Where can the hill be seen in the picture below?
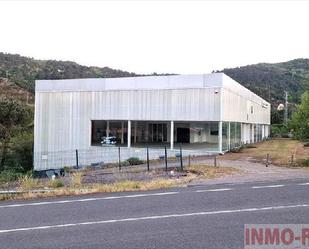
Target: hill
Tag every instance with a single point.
(12, 91)
(291, 76)
(24, 70)
(267, 80)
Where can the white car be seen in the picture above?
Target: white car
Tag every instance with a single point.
(109, 140)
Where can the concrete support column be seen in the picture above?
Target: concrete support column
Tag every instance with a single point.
(147, 132)
(263, 132)
(229, 136)
(122, 128)
(129, 133)
(242, 133)
(252, 133)
(266, 131)
(135, 132)
(172, 135)
(107, 128)
(220, 137)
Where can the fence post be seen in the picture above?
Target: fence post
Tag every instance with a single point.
(165, 158)
(119, 161)
(147, 158)
(292, 159)
(215, 161)
(267, 160)
(76, 156)
(181, 163)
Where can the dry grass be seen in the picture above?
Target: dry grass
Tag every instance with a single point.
(210, 172)
(124, 186)
(280, 151)
(28, 183)
(76, 179)
(77, 188)
(136, 185)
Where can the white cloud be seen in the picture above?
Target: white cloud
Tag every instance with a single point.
(161, 36)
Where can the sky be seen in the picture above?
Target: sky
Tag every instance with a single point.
(157, 36)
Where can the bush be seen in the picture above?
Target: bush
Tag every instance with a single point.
(67, 169)
(279, 130)
(125, 163)
(21, 156)
(303, 162)
(9, 176)
(135, 161)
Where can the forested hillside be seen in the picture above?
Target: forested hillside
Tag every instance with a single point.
(24, 70)
(291, 76)
(267, 80)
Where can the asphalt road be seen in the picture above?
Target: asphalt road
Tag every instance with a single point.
(194, 217)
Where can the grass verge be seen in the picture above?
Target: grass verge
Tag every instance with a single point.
(280, 151)
(76, 186)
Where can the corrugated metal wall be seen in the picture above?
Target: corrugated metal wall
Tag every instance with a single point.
(63, 116)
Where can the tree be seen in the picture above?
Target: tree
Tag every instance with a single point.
(299, 123)
(13, 115)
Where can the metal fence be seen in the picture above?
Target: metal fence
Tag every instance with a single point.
(100, 156)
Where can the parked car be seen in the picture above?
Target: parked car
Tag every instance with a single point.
(112, 140)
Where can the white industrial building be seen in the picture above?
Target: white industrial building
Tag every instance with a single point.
(205, 112)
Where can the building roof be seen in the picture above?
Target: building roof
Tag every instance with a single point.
(213, 80)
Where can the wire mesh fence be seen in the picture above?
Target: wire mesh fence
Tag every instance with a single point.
(100, 157)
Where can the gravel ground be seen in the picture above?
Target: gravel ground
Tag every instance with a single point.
(254, 171)
(249, 171)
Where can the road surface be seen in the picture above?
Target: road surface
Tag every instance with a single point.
(194, 217)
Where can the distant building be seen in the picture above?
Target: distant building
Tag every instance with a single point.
(209, 112)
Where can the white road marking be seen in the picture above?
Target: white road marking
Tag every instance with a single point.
(303, 184)
(153, 218)
(269, 186)
(85, 200)
(214, 190)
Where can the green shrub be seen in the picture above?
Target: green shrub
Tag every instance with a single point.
(67, 169)
(9, 176)
(125, 163)
(304, 162)
(21, 156)
(135, 161)
(279, 130)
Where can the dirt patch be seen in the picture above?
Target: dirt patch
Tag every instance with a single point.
(282, 152)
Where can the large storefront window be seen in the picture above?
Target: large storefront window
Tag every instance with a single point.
(225, 136)
(189, 135)
(108, 132)
(235, 138)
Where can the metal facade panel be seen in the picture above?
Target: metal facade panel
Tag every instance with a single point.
(62, 119)
(237, 108)
(131, 83)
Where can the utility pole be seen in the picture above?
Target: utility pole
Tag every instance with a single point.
(269, 93)
(286, 108)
